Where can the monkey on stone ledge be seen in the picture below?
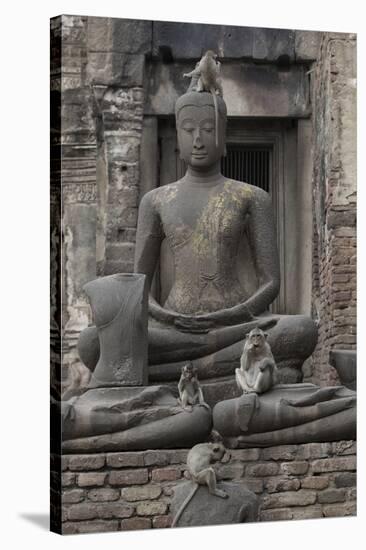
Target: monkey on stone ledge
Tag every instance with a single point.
(258, 371)
(190, 392)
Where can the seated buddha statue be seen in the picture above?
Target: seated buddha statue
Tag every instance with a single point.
(220, 236)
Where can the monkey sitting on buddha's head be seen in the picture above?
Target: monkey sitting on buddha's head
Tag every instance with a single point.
(258, 371)
(190, 392)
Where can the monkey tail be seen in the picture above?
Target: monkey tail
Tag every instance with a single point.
(213, 92)
(187, 500)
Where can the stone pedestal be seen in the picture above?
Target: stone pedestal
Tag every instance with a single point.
(241, 506)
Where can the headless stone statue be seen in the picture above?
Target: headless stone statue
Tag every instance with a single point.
(118, 411)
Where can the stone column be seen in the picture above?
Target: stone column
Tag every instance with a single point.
(334, 191)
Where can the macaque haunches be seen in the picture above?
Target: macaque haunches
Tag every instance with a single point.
(258, 371)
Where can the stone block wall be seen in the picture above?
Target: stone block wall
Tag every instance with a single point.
(334, 201)
(133, 490)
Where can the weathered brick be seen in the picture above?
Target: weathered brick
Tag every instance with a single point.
(293, 498)
(314, 482)
(70, 528)
(91, 479)
(276, 515)
(344, 447)
(282, 452)
(68, 479)
(64, 462)
(331, 496)
(352, 493)
(144, 492)
(348, 479)
(125, 460)
(230, 471)
(162, 522)
(73, 496)
(279, 485)
(156, 458)
(334, 464)
(295, 468)
(129, 477)
(246, 455)
(178, 456)
(86, 462)
(105, 510)
(307, 512)
(340, 510)
(262, 470)
(314, 450)
(151, 508)
(135, 523)
(103, 495)
(166, 474)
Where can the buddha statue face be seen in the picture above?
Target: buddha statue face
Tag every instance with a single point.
(196, 133)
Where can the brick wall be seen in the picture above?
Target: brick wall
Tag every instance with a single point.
(334, 204)
(133, 490)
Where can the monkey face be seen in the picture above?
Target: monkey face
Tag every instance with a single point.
(256, 339)
(196, 136)
(188, 372)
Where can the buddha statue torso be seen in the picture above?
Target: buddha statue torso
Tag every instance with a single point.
(203, 224)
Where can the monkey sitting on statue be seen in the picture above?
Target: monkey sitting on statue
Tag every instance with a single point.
(258, 371)
(199, 465)
(206, 76)
(190, 392)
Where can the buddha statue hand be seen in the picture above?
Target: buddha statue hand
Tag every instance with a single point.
(181, 321)
(193, 324)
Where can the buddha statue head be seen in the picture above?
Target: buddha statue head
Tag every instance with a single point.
(196, 129)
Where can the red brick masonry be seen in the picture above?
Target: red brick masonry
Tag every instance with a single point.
(133, 490)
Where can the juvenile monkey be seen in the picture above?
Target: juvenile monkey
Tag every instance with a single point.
(199, 461)
(258, 371)
(208, 72)
(190, 392)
